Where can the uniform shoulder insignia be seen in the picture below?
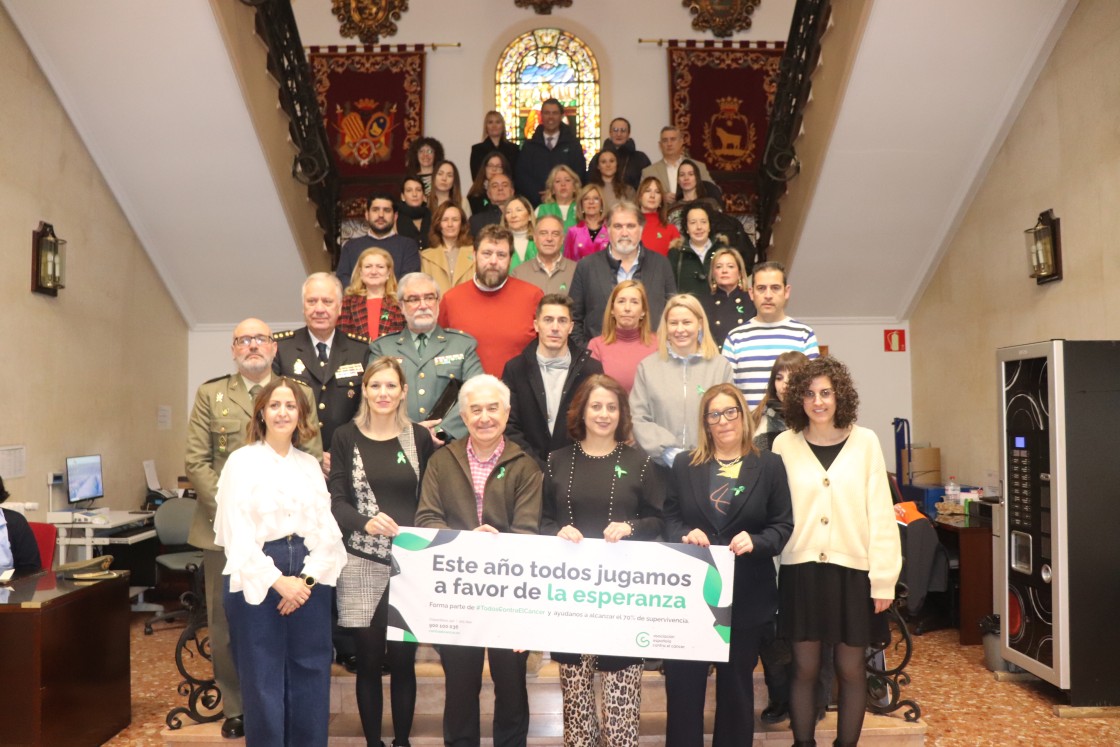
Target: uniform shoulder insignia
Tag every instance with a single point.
(356, 337)
(283, 335)
(456, 331)
(217, 378)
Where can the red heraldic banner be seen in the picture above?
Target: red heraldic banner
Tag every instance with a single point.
(721, 96)
(372, 100)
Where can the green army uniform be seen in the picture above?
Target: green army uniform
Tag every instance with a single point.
(218, 426)
(337, 384)
(449, 355)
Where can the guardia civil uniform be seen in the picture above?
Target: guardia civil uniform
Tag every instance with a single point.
(336, 384)
(449, 355)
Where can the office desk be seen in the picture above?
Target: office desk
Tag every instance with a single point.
(64, 661)
(117, 530)
(972, 539)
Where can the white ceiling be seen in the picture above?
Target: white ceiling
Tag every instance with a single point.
(933, 91)
(150, 89)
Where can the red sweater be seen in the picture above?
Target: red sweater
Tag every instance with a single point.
(501, 321)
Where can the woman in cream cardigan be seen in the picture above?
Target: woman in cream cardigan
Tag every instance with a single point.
(841, 564)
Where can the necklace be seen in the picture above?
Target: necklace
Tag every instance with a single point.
(729, 462)
(618, 472)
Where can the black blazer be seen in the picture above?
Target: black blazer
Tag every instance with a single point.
(762, 510)
(528, 413)
(479, 152)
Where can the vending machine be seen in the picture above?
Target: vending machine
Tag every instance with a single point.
(1057, 571)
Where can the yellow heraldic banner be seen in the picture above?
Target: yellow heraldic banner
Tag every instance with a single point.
(643, 599)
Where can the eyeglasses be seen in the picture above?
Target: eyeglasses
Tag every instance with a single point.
(731, 414)
(825, 395)
(246, 340)
(415, 300)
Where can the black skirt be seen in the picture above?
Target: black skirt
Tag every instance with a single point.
(828, 603)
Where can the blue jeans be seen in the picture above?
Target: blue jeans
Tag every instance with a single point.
(284, 662)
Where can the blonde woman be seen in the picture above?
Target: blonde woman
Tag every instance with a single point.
(449, 258)
(369, 306)
(669, 385)
(727, 304)
(560, 195)
(493, 139)
(627, 337)
(589, 235)
(377, 463)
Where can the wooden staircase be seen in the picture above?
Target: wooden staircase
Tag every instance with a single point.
(546, 721)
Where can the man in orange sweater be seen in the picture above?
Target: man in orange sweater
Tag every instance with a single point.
(494, 308)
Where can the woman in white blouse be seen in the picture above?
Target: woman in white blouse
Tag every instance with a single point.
(281, 543)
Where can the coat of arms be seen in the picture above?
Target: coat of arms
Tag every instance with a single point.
(365, 132)
(729, 137)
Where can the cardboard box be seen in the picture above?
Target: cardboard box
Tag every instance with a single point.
(927, 466)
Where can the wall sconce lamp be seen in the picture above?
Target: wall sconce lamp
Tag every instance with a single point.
(1044, 248)
(48, 261)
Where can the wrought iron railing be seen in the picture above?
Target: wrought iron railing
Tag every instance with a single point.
(779, 159)
(312, 165)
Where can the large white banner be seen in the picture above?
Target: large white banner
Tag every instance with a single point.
(642, 599)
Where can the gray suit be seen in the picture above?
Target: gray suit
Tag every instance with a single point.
(595, 278)
(449, 356)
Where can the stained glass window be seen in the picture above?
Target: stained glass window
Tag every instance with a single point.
(544, 64)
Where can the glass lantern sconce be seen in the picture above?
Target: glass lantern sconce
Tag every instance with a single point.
(48, 261)
(1044, 248)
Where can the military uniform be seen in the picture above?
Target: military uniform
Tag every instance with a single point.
(450, 355)
(218, 426)
(336, 384)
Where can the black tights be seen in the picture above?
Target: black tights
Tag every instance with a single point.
(852, 700)
(373, 651)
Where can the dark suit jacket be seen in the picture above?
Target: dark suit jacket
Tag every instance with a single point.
(337, 385)
(762, 510)
(25, 550)
(479, 152)
(528, 415)
(489, 215)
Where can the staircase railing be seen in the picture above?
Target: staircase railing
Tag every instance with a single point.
(779, 159)
(312, 165)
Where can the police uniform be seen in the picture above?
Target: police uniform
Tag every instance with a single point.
(218, 426)
(449, 355)
(336, 384)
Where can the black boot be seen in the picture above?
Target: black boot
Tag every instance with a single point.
(806, 743)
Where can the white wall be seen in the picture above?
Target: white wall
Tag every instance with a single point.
(882, 379)
(209, 354)
(459, 87)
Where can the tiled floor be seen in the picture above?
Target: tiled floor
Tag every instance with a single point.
(961, 702)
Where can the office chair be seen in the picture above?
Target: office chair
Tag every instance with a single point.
(46, 536)
(173, 522)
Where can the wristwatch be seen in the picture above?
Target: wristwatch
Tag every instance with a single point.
(307, 580)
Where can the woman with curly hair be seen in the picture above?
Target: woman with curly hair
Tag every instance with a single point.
(369, 306)
(423, 155)
(842, 561)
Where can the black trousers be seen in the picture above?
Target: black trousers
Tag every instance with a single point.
(462, 667)
(686, 683)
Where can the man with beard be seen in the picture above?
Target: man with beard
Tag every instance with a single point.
(436, 361)
(625, 259)
(381, 215)
(631, 161)
(494, 309)
(218, 426)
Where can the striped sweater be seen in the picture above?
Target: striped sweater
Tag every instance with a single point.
(752, 348)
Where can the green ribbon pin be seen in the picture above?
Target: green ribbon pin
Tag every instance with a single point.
(739, 308)
(501, 473)
(619, 471)
(739, 490)
(700, 390)
(400, 457)
(385, 315)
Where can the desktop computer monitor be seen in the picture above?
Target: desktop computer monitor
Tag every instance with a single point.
(84, 481)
